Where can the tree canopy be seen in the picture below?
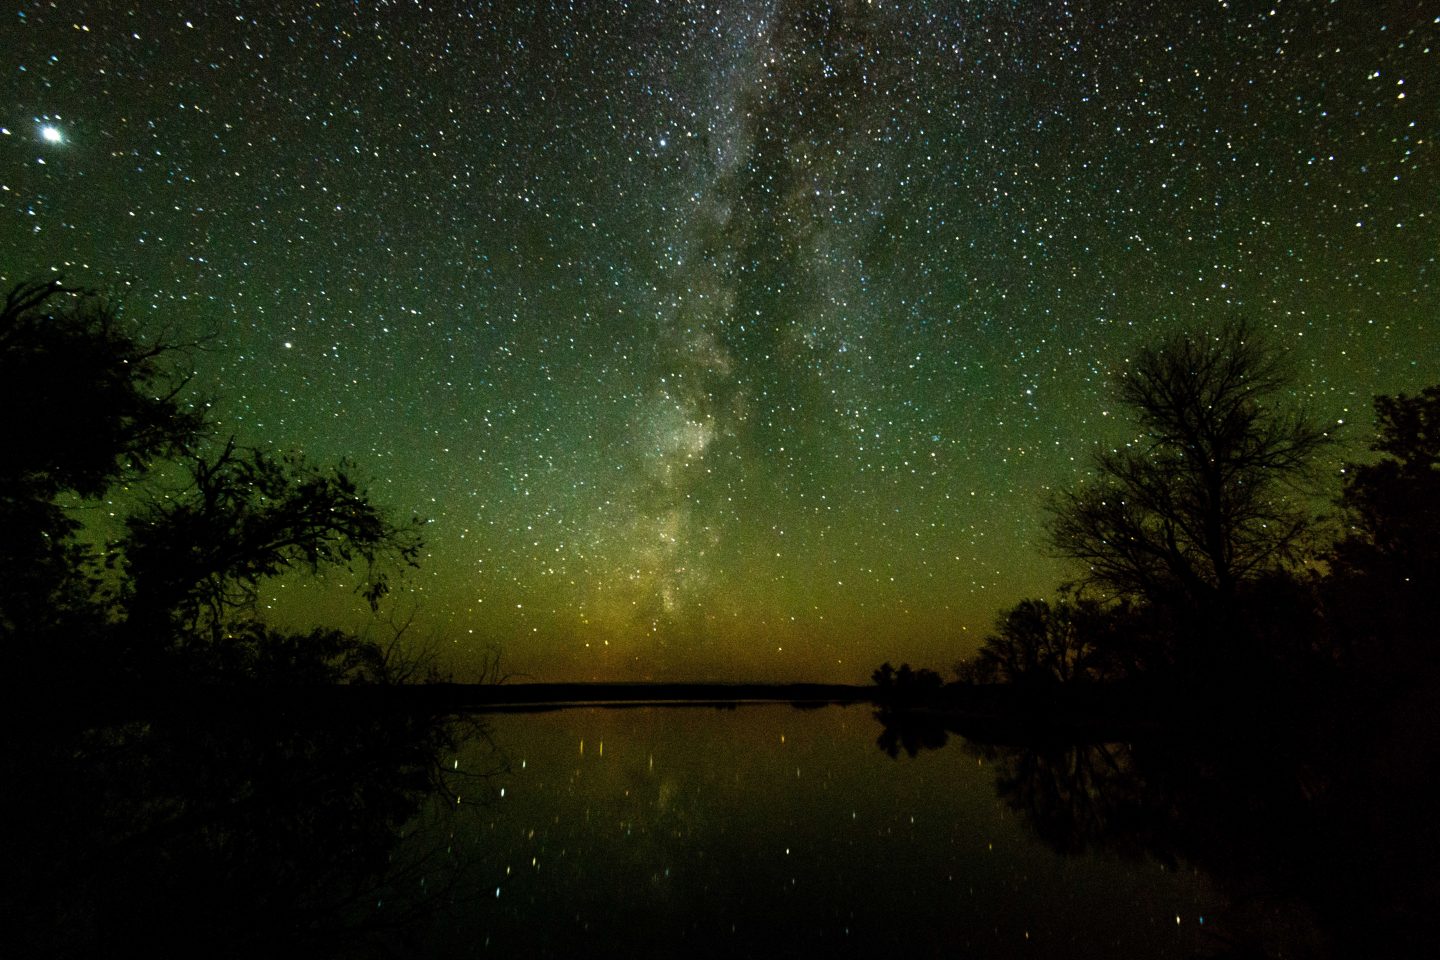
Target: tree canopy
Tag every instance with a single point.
(97, 399)
(1390, 503)
(102, 405)
(1037, 642)
(1212, 495)
(247, 517)
(1384, 587)
(88, 403)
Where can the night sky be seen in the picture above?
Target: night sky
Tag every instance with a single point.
(731, 340)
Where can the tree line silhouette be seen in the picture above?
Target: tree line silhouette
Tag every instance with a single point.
(1205, 552)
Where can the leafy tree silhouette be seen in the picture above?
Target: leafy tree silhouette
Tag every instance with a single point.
(1037, 642)
(248, 517)
(101, 407)
(89, 404)
(1385, 572)
(907, 681)
(97, 401)
(1392, 504)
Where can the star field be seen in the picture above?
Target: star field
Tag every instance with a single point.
(725, 340)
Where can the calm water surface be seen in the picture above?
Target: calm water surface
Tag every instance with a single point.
(702, 832)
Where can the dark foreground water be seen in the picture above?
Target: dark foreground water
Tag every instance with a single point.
(331, 827)
(771, 830)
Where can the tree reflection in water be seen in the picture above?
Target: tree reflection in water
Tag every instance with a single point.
(1320, 850)
(263, 825)
(910, 731)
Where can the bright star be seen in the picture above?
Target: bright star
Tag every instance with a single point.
(51, 134)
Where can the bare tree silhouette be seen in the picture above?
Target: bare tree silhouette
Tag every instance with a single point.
(1214, 495)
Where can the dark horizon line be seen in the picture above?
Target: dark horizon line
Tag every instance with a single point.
(183, 699)
(638, 692)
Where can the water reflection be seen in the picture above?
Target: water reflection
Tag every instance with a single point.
(769, 831)
(655, 832)
(1319, 850)
(235, 830)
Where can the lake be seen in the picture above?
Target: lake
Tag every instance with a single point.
(336, 825)
(767, 829)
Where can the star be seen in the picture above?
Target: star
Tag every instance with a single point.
(51, 134)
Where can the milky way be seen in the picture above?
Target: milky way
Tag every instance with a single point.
(731, 340)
